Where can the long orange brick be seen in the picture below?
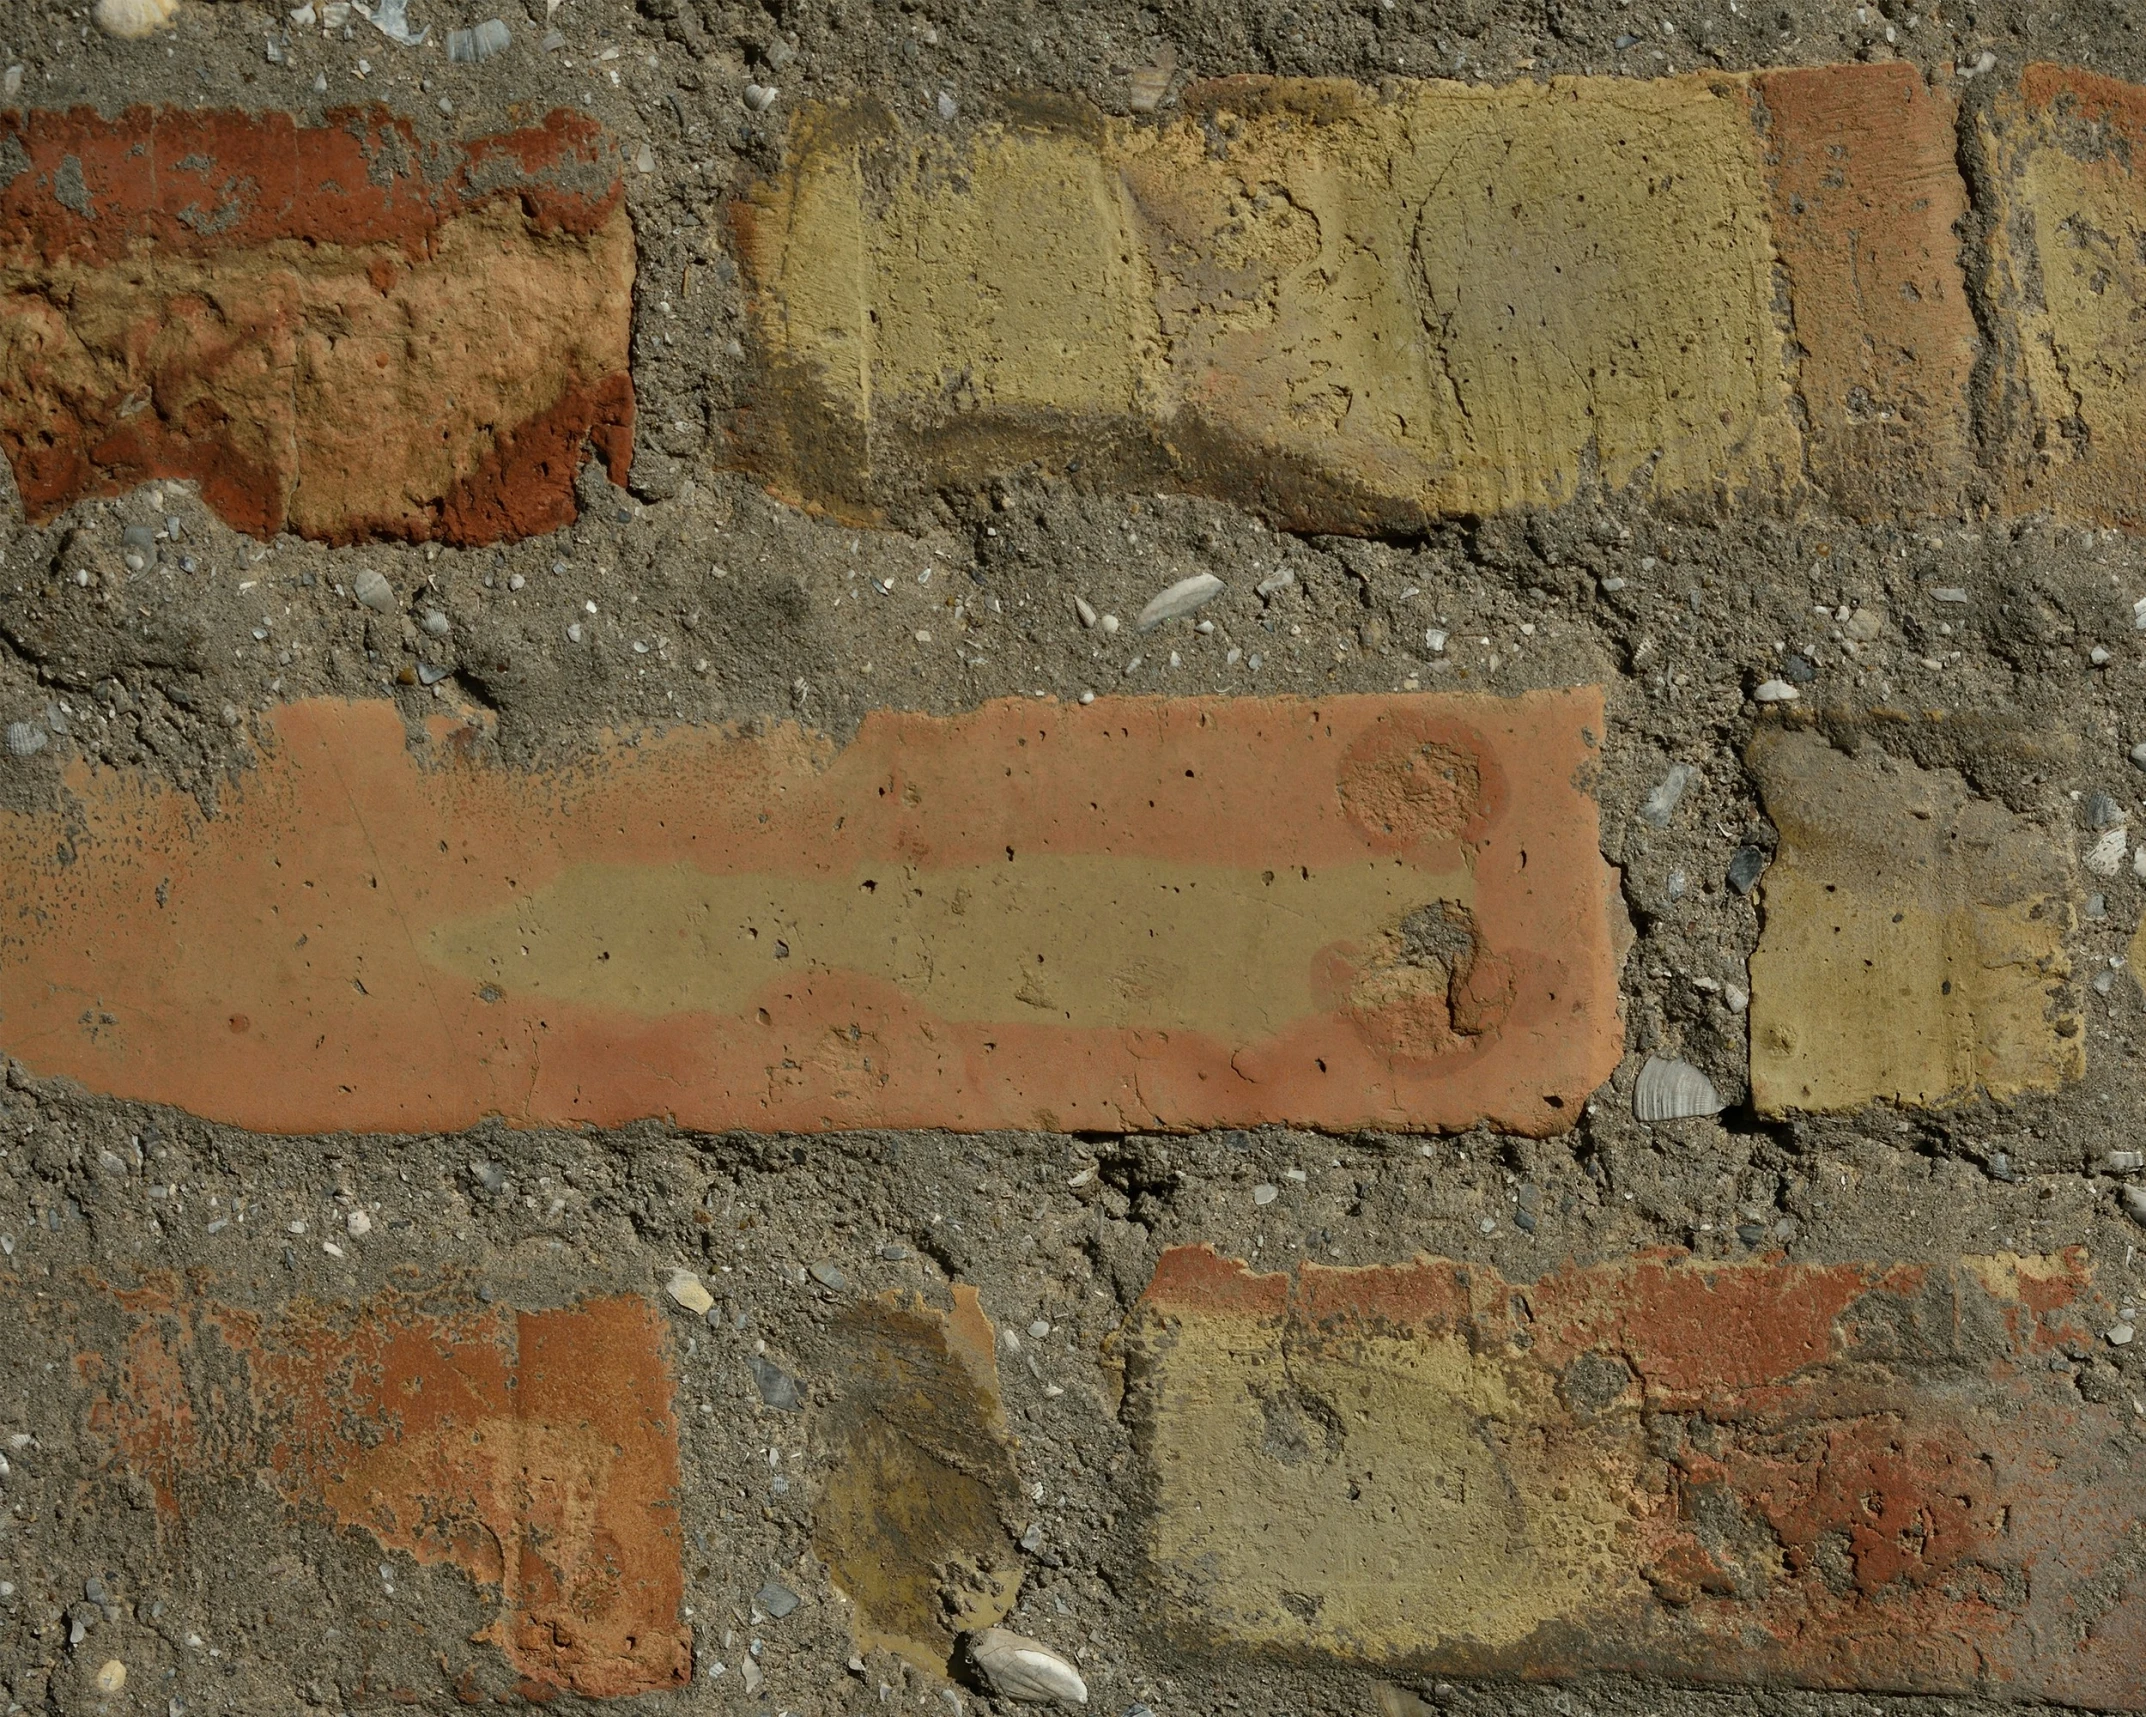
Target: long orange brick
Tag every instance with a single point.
(536, 1451)
(1867, 197)
(268, 308)
(1854, 1475)
(1383, 910)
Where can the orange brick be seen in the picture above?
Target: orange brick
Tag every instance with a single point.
(265, 307)
(1361, 911)
(1866, 197)
(1836, 1475)
(535, 1451)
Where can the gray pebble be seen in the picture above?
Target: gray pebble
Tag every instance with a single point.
(2001, 1167)
(777, 1601)
(1032, 1539)
(436, 624)
(777, 1387)
(2135, 1202)
(1798, 669)
(2097, 906)
(2138, 755)
(894, 1254)
(491, 1176)
(829, 1275)
(1746, 867)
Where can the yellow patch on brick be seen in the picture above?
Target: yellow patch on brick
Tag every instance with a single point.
(1359, 312)
(1087, 940)
(2066, 253)
(1913, 949)
(1364, 1507)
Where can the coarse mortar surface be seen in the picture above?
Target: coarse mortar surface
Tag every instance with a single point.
(690, 596)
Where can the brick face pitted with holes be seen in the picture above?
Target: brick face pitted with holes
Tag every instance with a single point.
(1362, 911)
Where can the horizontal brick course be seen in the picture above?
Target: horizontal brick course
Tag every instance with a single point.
(1360, 911)
(267, 308)
(1834, 1475)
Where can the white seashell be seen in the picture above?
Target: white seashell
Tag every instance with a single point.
(2135, 1202)
(2106, 856)
(690, 1292)
(1669, 1090)
(2124, 1162)
(1018, 1667)
(1775, 691)
(1085, 610)
(760, 96)
(373, 591)
(24, 739)
(132, 20)
(1181, 599)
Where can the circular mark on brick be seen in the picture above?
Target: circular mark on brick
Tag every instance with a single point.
(1402, 784)
(1594, 1383)
(240, 1024)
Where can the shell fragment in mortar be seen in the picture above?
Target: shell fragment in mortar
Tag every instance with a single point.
(1670, 1090)
(134, 20)
(1017, 1667)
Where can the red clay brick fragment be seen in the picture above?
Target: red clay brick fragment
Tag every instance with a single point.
(342, 330)
(1866, 194)
(1859, 1475)
(535, 1451)
(1363, 911)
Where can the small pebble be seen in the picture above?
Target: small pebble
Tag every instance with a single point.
(2138, 755)
(373, 591)
(829, 1275)
(778, 1601)
(1948, 593)
(357, 1225)
(948, 107)
(2001, 1166)
(689, 1291)
(1089, 697)
(1016, 1667)
(1265, 1193)
(2097, 905)
(1032, 1539)
(1746, 867)
(2120, 1335)
(894, 1254)
(1274, 584)
(436, 624)
(1085, 612)
(1775, 691)
(2099, 655)
(1798, 669)
(1109, 624)
(777, 1387)
(645, 160)
(1735, 999)
(1040, 1328)
(1658, 806)
(1434, 640)
(111, 1676)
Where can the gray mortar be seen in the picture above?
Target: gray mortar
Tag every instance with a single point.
(780, 607)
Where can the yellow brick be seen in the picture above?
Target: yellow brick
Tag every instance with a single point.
(2066, 270)
(1914, 941)
(1362, 312)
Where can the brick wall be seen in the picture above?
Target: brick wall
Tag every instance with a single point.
(628, 1128)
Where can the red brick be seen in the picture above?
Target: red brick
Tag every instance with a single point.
(265, 307)
(1139, 913)
(1867, 196)
(535, 1451)
(1853, 1475)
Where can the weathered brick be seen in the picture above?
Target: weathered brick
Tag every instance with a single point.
(2067, 232)
(267, 308)
(1359, 312)
(912, 1524)
(1360, 911)
(1913, 948)
(1867, 197)
(1835, 1475)
(535, 1451)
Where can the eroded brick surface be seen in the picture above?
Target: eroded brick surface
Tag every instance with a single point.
(1353, 311)
(536, 1451)
(1365, 910)
(1838, 1475)
(2068, 218)
(1914, 940)
(1867, 201)
(338, 330)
